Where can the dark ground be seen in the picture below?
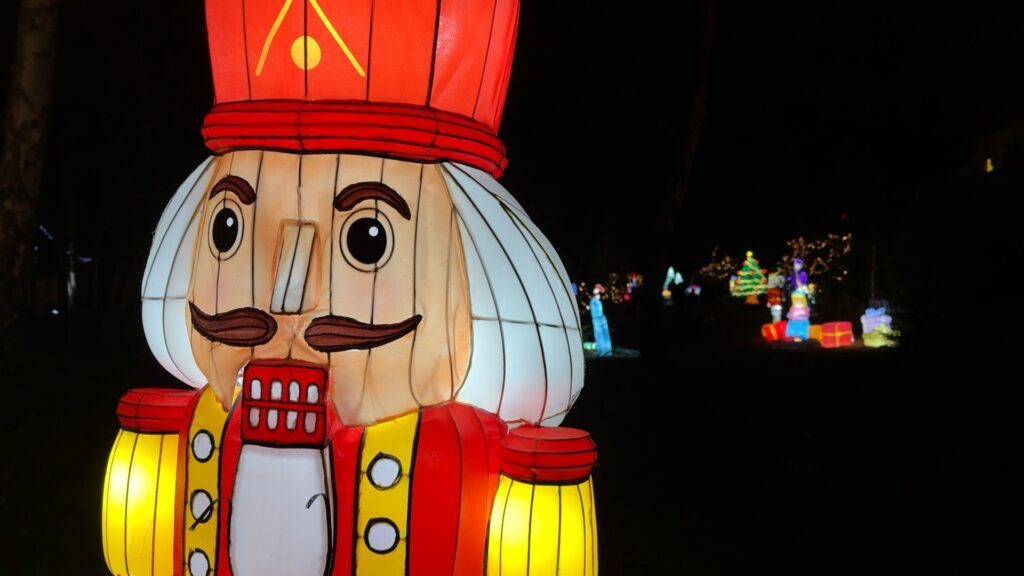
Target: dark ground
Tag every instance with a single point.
(873, 118)
(719, 454)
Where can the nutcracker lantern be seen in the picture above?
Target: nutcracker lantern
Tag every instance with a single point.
(380, 341)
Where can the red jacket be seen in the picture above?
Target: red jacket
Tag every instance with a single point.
(457, 455)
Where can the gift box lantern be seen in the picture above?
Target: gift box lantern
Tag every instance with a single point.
(774, 331)
(836, 334)
(873, 318)
(381, 341)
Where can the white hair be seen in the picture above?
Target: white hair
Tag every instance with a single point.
(526, 363)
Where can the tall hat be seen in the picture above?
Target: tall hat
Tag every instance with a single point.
(418, 80)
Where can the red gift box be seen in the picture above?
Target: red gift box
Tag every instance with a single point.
(836, 334)
(773, 332)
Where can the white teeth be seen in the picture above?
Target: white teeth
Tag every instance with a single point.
(310, 424)
(312, 394)
(291, 419)
(256, 389)
(272, 419)
(293, 391)
(254, 417)
(275, 390)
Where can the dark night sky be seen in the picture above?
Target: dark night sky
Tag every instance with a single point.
(870, 117)
(821, 116)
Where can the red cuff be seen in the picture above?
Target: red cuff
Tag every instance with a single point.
(155, 410)
(549, 455)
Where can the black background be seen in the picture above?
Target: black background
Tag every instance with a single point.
(857, 117)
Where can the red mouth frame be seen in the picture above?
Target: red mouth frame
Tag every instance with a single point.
(284, 403)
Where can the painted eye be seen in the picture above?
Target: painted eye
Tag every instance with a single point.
(367, 240)
(225, 229)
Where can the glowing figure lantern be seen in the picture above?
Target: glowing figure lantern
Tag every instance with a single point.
(602, 336)
(750, 280)
(798, 325)
(798, 280)
(671, 278)
(775, 303)
(381, 341)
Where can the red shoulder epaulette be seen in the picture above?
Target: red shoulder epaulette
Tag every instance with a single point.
(549, 455)
(155, 410)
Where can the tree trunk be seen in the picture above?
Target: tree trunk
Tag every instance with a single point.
(25, 125)
(687, 149)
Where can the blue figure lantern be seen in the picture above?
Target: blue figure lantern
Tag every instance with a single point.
(602, 337)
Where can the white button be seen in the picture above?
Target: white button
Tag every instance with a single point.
(198, 563)
(256, 389)
(202, 445)
(310, 422)
(272, 419)
(384, 471)
(312, 394)
(199, 505)
(381, 536)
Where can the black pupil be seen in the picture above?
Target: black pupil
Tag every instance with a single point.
(366, 240)
(225, 229)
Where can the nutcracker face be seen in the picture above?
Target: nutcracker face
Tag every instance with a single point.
(348, 262)
(411, 284)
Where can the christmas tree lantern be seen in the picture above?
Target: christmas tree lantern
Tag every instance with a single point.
(382, 343)
(750, 280)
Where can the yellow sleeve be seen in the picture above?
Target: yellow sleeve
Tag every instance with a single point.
(543, 529)
(139, 503)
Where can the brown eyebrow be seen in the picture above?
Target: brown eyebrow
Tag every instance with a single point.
(355, 193)
(241, 188)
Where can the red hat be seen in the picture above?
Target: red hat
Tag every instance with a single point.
(417, 79)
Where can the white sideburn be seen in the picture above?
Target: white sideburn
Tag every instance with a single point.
(273, 533)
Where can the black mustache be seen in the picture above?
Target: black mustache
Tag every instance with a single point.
(242, 327)
(338, 333)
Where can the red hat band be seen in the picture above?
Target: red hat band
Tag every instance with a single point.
(421, 80)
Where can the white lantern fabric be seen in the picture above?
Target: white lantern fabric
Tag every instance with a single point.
(526, 361)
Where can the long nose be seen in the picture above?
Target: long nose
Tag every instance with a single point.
(296, 280)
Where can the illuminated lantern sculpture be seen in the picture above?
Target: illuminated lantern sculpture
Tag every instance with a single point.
(877, 328)
(775, 303)
(798, 281)
(798, 325)
(750, 280)
(381, 341)
(836, 334)
(775, 296)
(602, 336)
(671, 278)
